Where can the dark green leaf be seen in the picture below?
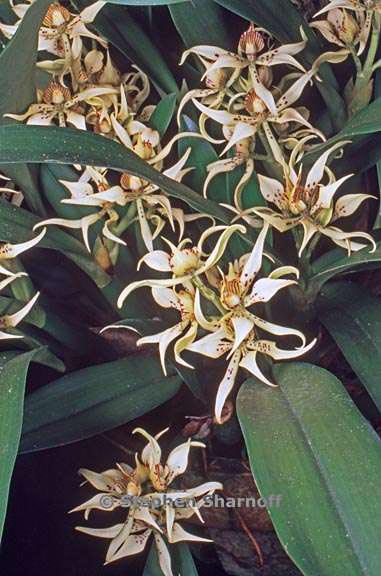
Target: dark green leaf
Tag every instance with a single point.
(336, 263)
(147, 2)
(13, 372)
(202, 22)
(94, 400)
(353, 318)
(16, 225)
(68, 146)
(308, 443)
(163, 114)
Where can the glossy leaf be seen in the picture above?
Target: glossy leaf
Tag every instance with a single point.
(336, 263)
(308, 443)
(68, 146)
(94, 400)
(17, 90)
(353, 318)
(16, 225)
(13, 372)
(202, 22)
(163, 114)
(147, 2)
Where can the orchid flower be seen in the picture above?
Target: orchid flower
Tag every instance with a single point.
(132, 190)
(307, 202)
(340, 28)
(150, 513)
(59, 104)
(13, 320)
(365, 11)
(186, 263)
(235, 332)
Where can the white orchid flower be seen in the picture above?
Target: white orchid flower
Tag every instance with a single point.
(151, 513)
(58, 104)
(309, 203)
(235, 333)
(184, 262)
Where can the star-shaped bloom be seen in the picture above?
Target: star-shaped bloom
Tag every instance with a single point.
(308, 202)
(185, 261)
(145, 490)
(237, 332)
(59, 104)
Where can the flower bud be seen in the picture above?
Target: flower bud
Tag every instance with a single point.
(345, 25)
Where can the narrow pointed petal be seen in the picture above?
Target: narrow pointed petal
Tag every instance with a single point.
(177, 461)
(265, 289)
(262, 92)
(198, 93)
(165, 297)
(220, 167)
(271, 349)
(249, 361)
(8, 251)
(226, 384)
(310, 229)
(88, 14)
(209, 52)
(134, 544)
(220, 116)
(335, 4)
(278, 330)
(272, 190)
(348, 204)
(254, 262)
(77, 120)
(110, 532)
(220, 246)
(199, 315)
(181, 535)
(294, 92)
(241, 131)
(213, 345)
(317, 171)
(151, 454)
(326, 194)
(97, 503)
(164, 555)
(12, 320)
(183, 343)
(157, 260)
(242, 328)
(164, 339)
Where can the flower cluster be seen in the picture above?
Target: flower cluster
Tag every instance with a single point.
(154, 507)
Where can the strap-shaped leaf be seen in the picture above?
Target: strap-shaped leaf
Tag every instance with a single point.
(353, 318)
(202, 22)
(94, 400)
(308, 443)
(67, 146)
(13, 372)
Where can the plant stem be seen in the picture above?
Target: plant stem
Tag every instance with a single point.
(208, 293)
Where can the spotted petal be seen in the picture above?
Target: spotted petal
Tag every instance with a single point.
(265, 289)
(226, 384)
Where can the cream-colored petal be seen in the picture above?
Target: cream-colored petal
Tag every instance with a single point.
(226, 384)
(8, 250)
(213, 345)
(271, 349)
(183, 343)
(272, 190)
(249, 361)
(181, 535)
(199, 315)
(348, 204)
(110, 532)
(13, 320)
(265, 289)
(177, 461)
(163, 339)
(134, 544)
(157, 260)
(242, 326)
(220, 116)
(317, 171)
(241, 131)
(254, 262)
(278, 330)
(164, 555)
(165, 297)
(326, 194)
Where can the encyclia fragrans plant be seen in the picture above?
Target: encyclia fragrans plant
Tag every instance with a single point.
(219, 202)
